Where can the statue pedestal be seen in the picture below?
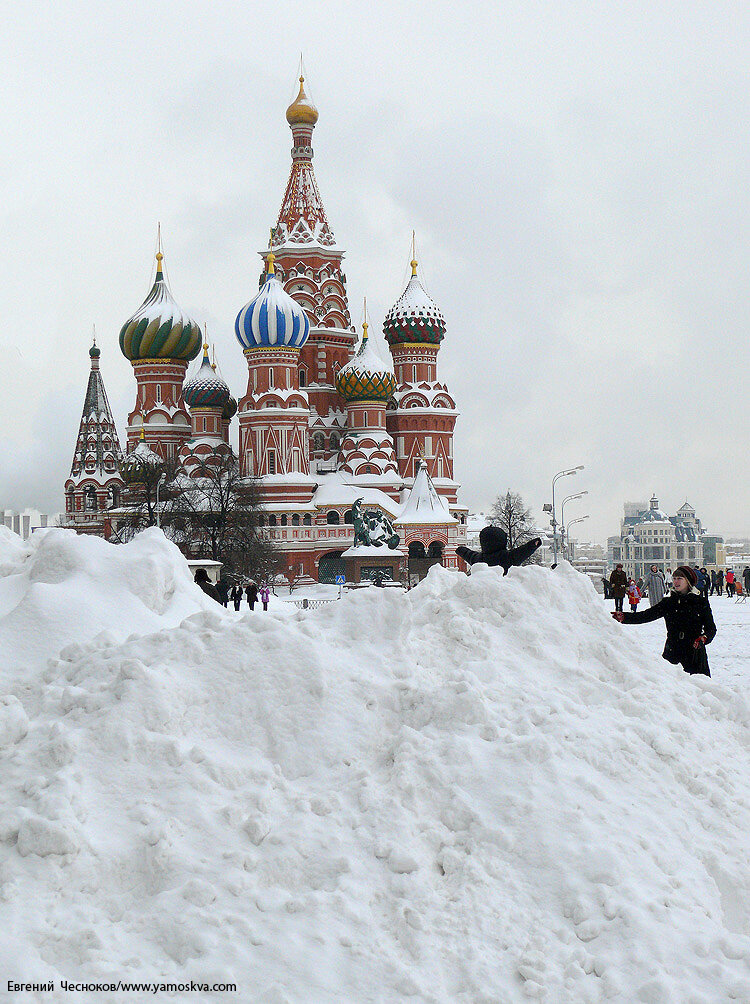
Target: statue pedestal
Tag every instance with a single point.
(365, 562)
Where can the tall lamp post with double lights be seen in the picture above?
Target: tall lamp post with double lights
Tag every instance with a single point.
(561, 474)
(570, 523)
(569, 498)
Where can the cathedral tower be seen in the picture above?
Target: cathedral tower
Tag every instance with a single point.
(159, 340)
(422, 414)
(94, 483)
(272, 329)
(308, 262)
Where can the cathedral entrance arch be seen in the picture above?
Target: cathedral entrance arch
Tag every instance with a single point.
(329, 566)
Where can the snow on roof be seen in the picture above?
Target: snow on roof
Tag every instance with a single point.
(371, 551)
(334, 491)
(424, 506)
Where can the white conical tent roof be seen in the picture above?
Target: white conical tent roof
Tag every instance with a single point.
(424, 506)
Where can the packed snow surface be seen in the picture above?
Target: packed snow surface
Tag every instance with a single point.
(483, 790)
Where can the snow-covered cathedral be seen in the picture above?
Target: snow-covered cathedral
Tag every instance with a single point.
(323, 420)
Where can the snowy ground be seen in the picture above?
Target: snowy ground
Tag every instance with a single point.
(482, 791)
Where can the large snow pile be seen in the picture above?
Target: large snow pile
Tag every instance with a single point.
(59, 588)
(480, 791)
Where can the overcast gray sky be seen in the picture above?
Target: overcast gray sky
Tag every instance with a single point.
(578, 175)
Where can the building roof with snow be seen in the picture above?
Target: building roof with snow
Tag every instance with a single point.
(424, 506)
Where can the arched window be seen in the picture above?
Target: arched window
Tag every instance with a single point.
(333, 518)
(271, 461)
(307, 521)
(319, 442)
(90, 496)
(349, 517)
(334, 442)
(303, 377)
(295, 520)
(284, 520)
(272, 520)
(115, 495)
(270, 378)
(414, 373)
(158, 393)
(416, 549)
(435, 550)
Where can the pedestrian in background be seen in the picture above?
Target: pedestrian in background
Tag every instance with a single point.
(618, 581)
(634, 595)
(746, 578)
(236, 596)
(655, 585)
(720, 582)
(729, 578)
(713, 582)
(705, 581)
(251, 591)
(264, 595)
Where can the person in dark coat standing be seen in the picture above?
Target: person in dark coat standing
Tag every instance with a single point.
(720, 582)
(618, 582)
(605, 586)
(705, 582)
(712, 590)
(251, 591)
(746, 578)
(690, 623)
(236, 595)
(202, 580)
(222, 587)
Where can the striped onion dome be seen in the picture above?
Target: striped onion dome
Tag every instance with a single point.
(366, 377)
(206, 389)
(272, 318)
(159, 329)
(414, 317)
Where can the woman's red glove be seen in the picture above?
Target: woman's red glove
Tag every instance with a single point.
(700, 640)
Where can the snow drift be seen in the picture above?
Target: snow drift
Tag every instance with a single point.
(480, 791)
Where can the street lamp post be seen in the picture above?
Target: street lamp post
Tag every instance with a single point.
(561, 474)
(569, 498)
(570, 523)
(159, 483)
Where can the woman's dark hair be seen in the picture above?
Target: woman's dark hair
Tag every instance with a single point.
(201, 575)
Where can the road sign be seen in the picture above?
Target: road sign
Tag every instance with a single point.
(340, 580)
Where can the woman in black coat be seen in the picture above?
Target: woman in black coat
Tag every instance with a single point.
(237, 596)
(690, 623)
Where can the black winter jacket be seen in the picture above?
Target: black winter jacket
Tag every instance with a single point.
(687, 618)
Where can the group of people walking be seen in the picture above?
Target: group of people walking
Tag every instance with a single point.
(223, 593)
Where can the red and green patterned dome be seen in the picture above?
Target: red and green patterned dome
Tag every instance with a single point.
(206, 389)
(366, 377)
(159, 329)
(414, 317)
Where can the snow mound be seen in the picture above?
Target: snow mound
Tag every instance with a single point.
(59, 588)
(478, 792)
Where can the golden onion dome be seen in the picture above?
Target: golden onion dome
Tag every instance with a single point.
(302, 111)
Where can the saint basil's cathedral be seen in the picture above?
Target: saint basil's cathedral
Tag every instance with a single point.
(323, 421)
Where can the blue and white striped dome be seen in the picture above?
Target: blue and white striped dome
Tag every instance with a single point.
(272, 318)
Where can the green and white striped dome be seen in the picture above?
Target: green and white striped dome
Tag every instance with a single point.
(159, 329)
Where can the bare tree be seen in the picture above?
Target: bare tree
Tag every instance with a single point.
(511, 514)
(219, 511)
(147, 478)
